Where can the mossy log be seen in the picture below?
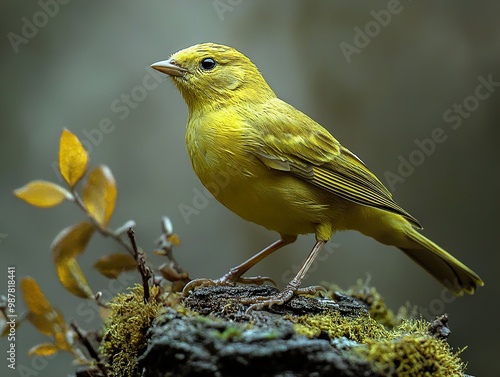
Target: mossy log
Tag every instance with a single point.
(224, 341)
(343, 334)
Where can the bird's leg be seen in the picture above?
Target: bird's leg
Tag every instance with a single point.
(260, 302)
(235, 274)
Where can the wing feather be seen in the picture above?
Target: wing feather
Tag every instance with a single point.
(293, 142)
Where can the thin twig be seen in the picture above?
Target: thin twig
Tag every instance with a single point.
(89, 347)
(141, 264)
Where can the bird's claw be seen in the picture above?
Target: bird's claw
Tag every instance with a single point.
(261, 302)
(199, 283)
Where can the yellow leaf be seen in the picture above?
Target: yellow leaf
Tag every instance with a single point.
(41, 323)
(113, 265)
(72, 278)
(43, 194)
(48, 323)
(43, 349)
(46, 319)
(71, 241)
(67, 245)
(72, 158)
(99, 194)
(35, 300)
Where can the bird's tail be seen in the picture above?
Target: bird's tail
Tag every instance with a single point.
(452, 273)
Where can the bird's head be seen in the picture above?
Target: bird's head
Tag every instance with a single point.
(210, 75)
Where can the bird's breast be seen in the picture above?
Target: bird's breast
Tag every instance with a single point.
(219, 155)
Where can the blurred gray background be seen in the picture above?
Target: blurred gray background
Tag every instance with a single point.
(377, 94)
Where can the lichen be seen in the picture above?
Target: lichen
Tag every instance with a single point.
(125, 329)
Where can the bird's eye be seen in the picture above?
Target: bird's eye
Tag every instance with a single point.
(207, 64)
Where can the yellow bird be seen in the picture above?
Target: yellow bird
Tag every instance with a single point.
(273, 165)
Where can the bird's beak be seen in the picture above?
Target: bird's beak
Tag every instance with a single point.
(170, 68)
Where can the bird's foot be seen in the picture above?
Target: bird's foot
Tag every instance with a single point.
(261, 302)
(228, 279)
(198, 283)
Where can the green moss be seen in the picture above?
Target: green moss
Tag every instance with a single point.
(405, 349)
(413, 355)
(358, 329)
(125, 330)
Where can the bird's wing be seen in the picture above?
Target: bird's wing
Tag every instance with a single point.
(293, 142)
